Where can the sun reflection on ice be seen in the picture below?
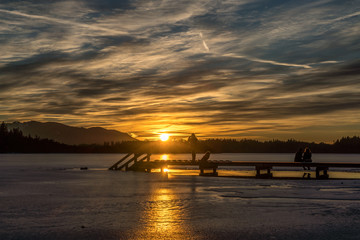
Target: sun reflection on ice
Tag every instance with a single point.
(164, 217)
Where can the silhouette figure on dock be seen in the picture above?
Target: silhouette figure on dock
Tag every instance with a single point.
(204, 164)
(193, 142)
(307, 155)
(205, 158)
(303, 156)
(299, 155)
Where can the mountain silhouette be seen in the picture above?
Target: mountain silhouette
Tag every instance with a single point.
(70, 135)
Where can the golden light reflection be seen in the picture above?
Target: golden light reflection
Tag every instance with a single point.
(164, 216)
(164, 137)
(164, 157)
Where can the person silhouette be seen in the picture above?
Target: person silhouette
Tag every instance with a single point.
(206, 157)
(307, 156)
(193, 142)
(299, 155)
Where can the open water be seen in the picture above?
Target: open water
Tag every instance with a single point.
(47, 196)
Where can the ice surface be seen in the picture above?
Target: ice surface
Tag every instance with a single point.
(48, 197)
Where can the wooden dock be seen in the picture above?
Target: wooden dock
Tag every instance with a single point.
(142, 162)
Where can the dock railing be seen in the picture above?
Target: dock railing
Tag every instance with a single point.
(126, 163)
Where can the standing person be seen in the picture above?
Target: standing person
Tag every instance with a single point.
(307, 156)
(193, 142)
(299, 155)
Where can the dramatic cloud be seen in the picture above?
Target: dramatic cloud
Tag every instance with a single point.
(256, 69)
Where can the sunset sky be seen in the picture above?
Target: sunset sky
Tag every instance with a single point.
(226, 69)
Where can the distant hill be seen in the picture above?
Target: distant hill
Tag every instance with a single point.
(70, 135)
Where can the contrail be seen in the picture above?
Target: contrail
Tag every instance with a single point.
(257, 59)
(205, 46)
(204, 43)
(346, 17)
(63, 21)
(268, 61)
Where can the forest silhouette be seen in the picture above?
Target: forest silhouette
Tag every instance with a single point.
(14, 141)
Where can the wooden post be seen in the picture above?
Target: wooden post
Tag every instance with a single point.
(258, 172)
(210, 166)
(325, 173)
(268, 173)
(136, 157)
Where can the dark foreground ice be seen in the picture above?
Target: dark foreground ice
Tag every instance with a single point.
(42, 200)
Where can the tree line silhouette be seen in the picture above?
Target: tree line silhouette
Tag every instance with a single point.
(13, 141)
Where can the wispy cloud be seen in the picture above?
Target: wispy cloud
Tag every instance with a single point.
(230, 68)
(66, 22)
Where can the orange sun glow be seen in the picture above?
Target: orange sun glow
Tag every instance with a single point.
(164, 137)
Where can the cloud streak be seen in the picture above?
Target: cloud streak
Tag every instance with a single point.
(66, 22)
(355, 14)
(223, 69)
(204, 43)
(268, 61)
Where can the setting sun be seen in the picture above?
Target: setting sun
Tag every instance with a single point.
(164, 137)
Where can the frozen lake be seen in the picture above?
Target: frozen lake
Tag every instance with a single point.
(45, 196)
